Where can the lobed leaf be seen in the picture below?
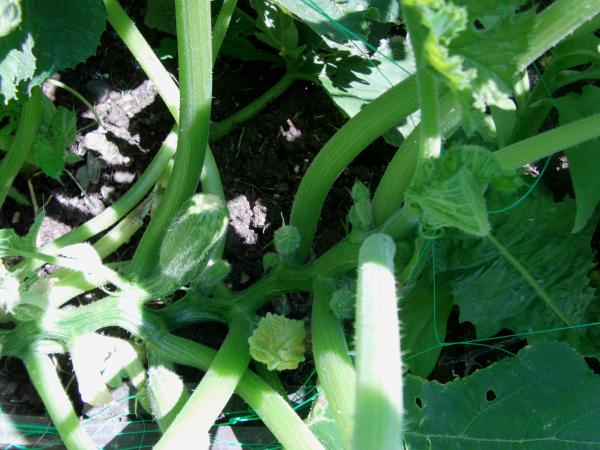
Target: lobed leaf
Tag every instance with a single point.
(51, 38)
(473, 47)
(451, 193)
(493, 295)
(538, 400)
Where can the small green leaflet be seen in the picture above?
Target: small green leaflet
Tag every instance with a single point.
(11, 244)
(277, 30)
(542, 399)
(54, 137)
(51, 38)
(237, 43)
(451, 191)
(584, 160)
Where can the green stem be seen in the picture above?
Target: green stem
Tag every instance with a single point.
(379, 407)
(529, 279)
(398, 175)
(78, 96)
(334, 367)
(338, 260)
(47, 384)
(270, 377)
(20, 146)
(216, 388)
(195, 73)
(220, 129)
(372, 121)
(128, 313)
(550, 142)
(144, 55)
(274, 411)
(556, 22)
(115, 212)
(71, 284)
(220, 26)
(430, 140)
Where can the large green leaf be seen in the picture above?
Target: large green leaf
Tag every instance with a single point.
(54, 35)
(10, 16)
(473, 46)
(353, 79)
(545, 398)
(493, 295)
(334, 20)
(584, 160)
(160, 14)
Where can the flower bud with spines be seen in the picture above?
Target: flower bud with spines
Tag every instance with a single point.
(212, 275)
(287, 241)
(343, 303)
(191, 237)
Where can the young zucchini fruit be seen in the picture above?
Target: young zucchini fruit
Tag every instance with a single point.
(193, 234)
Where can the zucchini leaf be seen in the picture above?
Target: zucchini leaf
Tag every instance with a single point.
(473, 47)
(451, 191)
(494, 296)
(539, 400)
(50, 38)
(52, 139)
(11, 244)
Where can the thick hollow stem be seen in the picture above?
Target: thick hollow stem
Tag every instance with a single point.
(430, 139)
(334, 367)
(550, 142)
(274, 411)
(379, 407)
(20, 146)
(213, 392)
(47, 384)
(556, 22)
(221, 25)
(144, 55)
(396, 179)
(195, 73)
(372, 121)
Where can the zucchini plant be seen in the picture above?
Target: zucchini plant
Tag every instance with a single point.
(453, 222)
